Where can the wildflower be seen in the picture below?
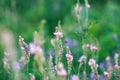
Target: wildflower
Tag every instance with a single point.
(91, 76)
(60, 70)
(71, 42)
(74, 77)
(58, 34)
(69, 60)
(116, 71)
(78, 8)
(22, 61)
(94, 66)
(33, 48)
(5, 59)
(85, 46)
(23, 45)
(93, 47)
(32, 77)
(16, 66)
(87, 5)
(82, 59)
(110, 68)
(116, 67)
(106, 74)
(102, 65)
(53, 42)
(92, 62)
(69, 57)
(108, 58)
(46, 78)
(116, 58)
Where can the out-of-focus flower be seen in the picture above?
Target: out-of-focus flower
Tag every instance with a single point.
(116, 55)
(32, 77)
(85, 46)
(60, 66)
(108, 58)
(16, 66)
(71, 42)
(62, 72)
(82, 59)
(23, 45)
(74, 77)
(34, 48)
(102, 77)
(117, 67)
(87, 5)
(78, 8)
(58, 34)
(116, 58)
(106, 74)
(92, 62)
(93, 47)
(53, 42)
(69, 57)
(92, 76)
(94, 66)
(22, 61)
(102, 65)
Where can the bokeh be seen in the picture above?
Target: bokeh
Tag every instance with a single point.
(24, 17)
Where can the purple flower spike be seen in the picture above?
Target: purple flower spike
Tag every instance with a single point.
(92, 76)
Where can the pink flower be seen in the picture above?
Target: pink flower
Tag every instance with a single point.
(69, 57)
(62, 73)
(58, 34)
(116, 67)
(108, 58)
(93, 47)
(92, 62)
(34, 48)
(106, 74)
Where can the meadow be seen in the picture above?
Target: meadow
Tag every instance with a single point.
(59, 40)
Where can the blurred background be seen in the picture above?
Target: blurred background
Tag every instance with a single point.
(23, 17)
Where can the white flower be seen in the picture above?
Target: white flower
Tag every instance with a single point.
(82, 59)
(78, 8)
(116, 56)
(88, 5)
(85, 46)
(69, 57)
(60, 66)
(92, 62)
